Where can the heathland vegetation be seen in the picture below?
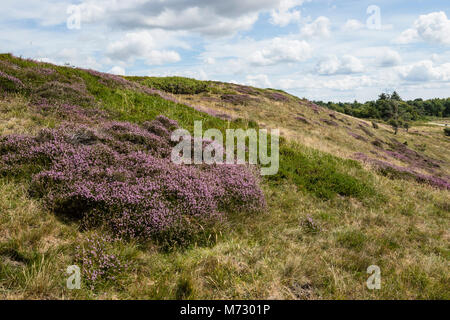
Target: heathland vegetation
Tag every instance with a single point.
(86, 180)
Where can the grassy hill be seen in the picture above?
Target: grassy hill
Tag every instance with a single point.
(347, 195)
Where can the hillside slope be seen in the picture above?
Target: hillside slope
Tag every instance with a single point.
(347, 195)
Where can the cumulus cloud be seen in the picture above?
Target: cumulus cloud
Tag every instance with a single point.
(339, 83)
(117, 70)
(433, 27)
(318, 28)
(353, 25)
(140, 45)
(280, 50)
(285, 13)
(213, 18)
(425, 70)
(389, 58)
(345, 65)
(259, 80)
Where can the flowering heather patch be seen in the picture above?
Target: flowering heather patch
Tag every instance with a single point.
(393, 170)
(121, 174)
(415, 159)
(302, 119)
(10, 83)
(333, 116)
(246, 90)
(237, 99)
(275, 96)
(98, 262)
(330, 122)
(39, 71)
(356, 136)
(70, 112)
(310, 225)
(61, 92)
(314, 107)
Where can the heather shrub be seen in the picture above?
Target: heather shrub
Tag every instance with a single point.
(99, 261)
(275, 96)
(246, 90)
(330, 122)
(120, 175)
(69, 93)
(310, 226)
(356, 136)
(302, 119)
(396, 172)
(237, 99)
(9, 83)
(68, 112)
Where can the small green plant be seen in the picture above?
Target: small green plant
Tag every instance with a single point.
(447, 131)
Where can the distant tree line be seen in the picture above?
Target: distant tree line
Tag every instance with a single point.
(390, 107)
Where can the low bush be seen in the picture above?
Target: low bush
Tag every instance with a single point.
(175, 85)
(120, 174)
(321, 174)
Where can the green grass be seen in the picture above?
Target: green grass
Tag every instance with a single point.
(175, 85)
(322, 174)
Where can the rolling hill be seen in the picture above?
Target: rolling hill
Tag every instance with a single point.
(85, 180)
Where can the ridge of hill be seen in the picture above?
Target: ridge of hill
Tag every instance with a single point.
(347, 195)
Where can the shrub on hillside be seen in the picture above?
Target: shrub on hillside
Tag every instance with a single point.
(394, 171)
(237, 99)
(447, 131)
(321, 174)
(121, 174)
(177, 85)
(9, 83)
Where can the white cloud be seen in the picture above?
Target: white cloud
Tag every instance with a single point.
(281, 50)
(209, 60)
(259, 80)
(407, 36)
(389, 58)
(345, 65)
(353, 25)
(433, 27)
(318, 28)
(339, 83)
(285, 14)
(141, 45)
(206, 17)
(425, 70)
(117, 70)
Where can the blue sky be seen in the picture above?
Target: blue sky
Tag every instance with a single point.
(334, 50)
